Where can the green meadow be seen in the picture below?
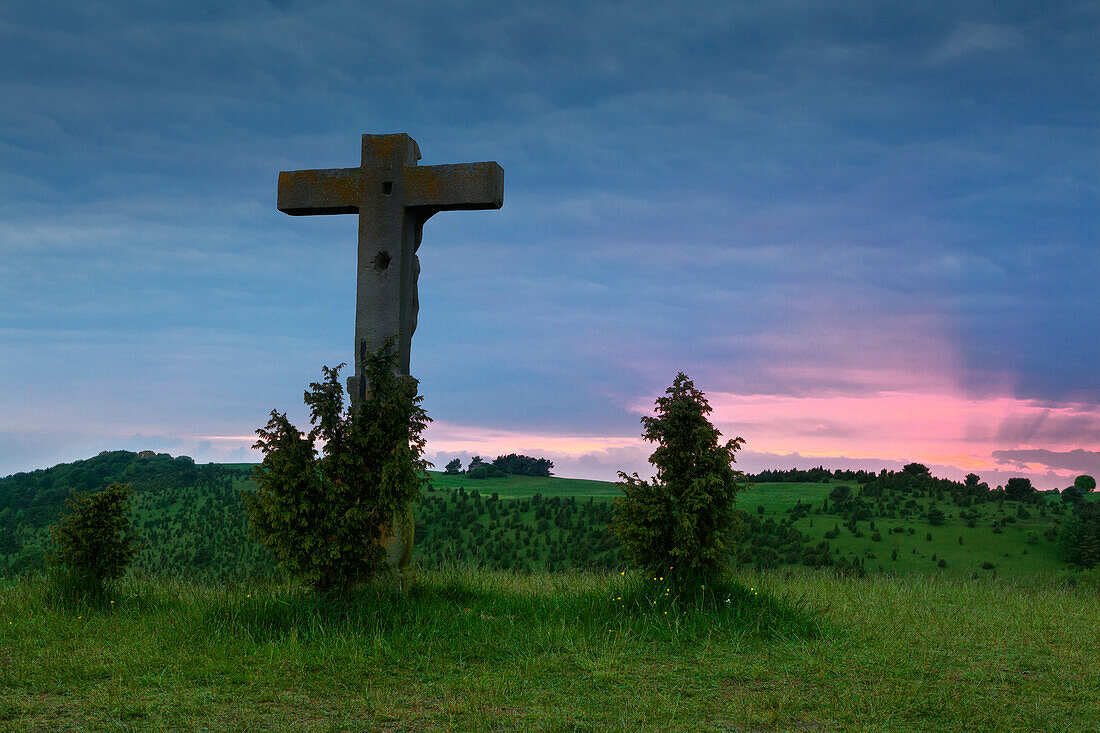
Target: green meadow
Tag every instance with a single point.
(522, 615)
(476, 650)
(192, 522)
(1000, 542)
(524, 487)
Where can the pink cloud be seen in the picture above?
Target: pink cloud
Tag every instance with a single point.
(949, 429)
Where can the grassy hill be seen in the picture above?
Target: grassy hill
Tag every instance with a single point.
(1000, 537)
(207, 635)
(192, 521)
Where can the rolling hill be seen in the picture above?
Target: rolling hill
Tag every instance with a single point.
(192, 522)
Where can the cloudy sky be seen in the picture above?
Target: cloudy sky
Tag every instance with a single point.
(867, 230)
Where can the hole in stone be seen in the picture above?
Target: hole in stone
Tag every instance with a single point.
(381, 261)
(387, 188)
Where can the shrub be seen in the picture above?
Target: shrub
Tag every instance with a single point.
(94, 542)
(1071, 494)
(326, 518)
(523, 465)
(1079, 535)
(685, 517)
(1020, 489)
(484, 470)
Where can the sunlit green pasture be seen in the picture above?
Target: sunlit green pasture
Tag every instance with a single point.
(522, 487)
(772, 496)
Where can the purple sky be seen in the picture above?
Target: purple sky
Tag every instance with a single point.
(866, 229)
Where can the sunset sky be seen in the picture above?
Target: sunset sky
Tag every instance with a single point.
(867, 230)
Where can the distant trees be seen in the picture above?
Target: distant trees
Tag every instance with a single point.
(453, 467)
(916, 469)
(483, 470)
(326, 518)
(841, 494)
(511, 464)
(819, 474)
(1071, 494)
(1020, 489)
(94, 541)
(1084, 484)
(684, 518)
(523, 465)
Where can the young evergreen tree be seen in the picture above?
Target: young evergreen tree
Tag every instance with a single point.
(685, 517)
(94, 541)
(1079, 535)
(325, 516)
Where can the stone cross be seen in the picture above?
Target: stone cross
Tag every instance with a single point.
(393, 197)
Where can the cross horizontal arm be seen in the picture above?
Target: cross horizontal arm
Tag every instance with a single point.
(326, 191)
(455, 187)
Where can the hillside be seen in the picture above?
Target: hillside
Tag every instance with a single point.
(192, 522)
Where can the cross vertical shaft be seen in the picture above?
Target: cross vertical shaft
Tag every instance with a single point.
(386, 301)
(393, 197)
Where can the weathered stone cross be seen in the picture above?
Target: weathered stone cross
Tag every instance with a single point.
(393, 197)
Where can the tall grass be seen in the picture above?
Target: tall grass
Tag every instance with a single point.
(467, 649)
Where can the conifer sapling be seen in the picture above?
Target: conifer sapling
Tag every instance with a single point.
(325, 516)
(95, 540)
(685, 517)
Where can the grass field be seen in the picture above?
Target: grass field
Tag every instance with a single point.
(1020, 549)
(523, 487)
(202, 528)
(774, 497)
(472, 651)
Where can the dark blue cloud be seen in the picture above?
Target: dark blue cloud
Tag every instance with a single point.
(1074, 460)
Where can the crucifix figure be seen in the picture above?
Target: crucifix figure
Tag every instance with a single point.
(393, 197)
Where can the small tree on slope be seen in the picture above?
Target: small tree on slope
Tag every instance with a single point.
(685, 517)
(95, 541)
(325, 517)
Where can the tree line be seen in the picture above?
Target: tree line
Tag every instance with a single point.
(512, 463)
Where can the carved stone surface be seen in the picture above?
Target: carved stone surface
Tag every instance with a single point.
(393, 197)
